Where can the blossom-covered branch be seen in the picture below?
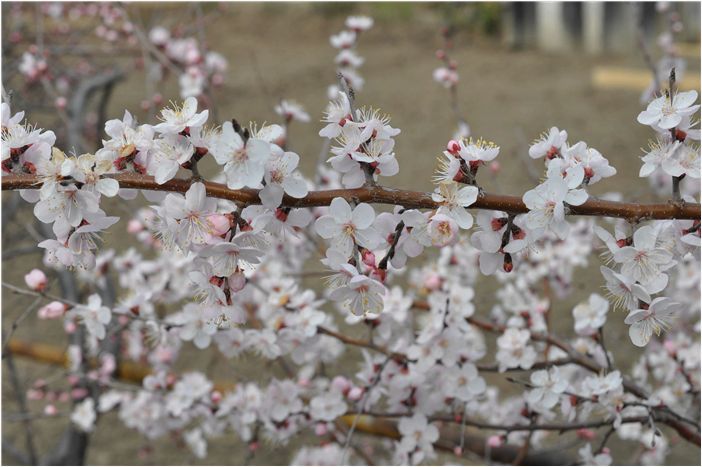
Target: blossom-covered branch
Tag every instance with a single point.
(391, 196)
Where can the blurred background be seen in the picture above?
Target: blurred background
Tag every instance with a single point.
(524, 67)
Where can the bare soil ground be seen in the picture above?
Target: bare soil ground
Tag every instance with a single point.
(282, 51)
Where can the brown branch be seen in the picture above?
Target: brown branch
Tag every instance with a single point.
(383, 195)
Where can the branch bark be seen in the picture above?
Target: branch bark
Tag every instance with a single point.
(383, 195)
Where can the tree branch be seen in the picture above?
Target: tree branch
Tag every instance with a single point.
(383, 195)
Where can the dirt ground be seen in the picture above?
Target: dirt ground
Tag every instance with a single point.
(282, 51)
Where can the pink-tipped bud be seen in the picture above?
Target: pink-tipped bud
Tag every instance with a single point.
(669, 346)
(70, 327)
(220, 223)
(78, 393)
(341, 384)
(145, 104)
(495, 167)
(73, 380)
(368, 258)
(216, 397)
(50, 410)
(453, 147)
(253, 446)
(355, 393)
(494, 441)
(458, 451)
(134, 226)
(433, 282)
(585, 433)
(157, 99)
(320, 429)
(108, 364)
(52, 310)
(237, 281)
(440, 54)
(35, 394)
(304, 382)
(61, 102)
(36, 280)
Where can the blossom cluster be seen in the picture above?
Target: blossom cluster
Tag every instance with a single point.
(201, 69)
(347, 59)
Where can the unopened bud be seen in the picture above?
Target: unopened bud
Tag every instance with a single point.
(52, 310)
(134, 226)
(220, 223)
(36, 280)
(355, 393)
(453, 147)
(368, 258)
(494, 441)
(237, 281)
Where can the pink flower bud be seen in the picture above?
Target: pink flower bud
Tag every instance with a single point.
(216, 397)
(52, 310)
(494, 441)
(157, 99)
(61, 102)
(35, 394)
(237, 281)
(368, 258)
(433, 282)
(494, 167)
(320, 429)
(70, 327)
(303, 382)
(145, 105)
(669, 346)
(134, 226)
(78, 393)
(109, 365)
(220, 223)
(341, 384)
(50, 410)
(458, 450)
(355, 393)
(253, 446)
(585, 433)
(64, 397)
(73, 380)
(35, 280)
(453, 147)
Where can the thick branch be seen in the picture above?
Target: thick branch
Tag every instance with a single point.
(383, 195)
